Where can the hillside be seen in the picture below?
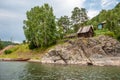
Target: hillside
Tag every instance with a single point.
(112, 18)
(22, 51)
(4, 44)
(100, 50)
(6, 48)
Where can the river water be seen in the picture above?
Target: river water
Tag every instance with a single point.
(37, 71)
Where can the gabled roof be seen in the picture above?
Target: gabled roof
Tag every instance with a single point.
(84, 29)
(103, 22)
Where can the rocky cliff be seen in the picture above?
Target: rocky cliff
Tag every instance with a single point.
(101, 50)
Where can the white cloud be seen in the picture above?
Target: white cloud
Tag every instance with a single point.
(92, 13)
(18, 42)
(4, 14)
(60, 7)
(64, 7)
(106, 4)
(72, 3)
(16, 3)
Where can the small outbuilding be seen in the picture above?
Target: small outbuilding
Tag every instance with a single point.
(86, 31)
(101, 25)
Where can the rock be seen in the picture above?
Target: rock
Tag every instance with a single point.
(97, 56)
(84, 50)
(98, 50)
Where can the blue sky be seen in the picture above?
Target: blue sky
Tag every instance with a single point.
(13, 12)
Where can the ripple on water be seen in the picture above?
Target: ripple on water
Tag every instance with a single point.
(36, 71)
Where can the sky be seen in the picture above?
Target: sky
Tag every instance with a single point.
(13, 12)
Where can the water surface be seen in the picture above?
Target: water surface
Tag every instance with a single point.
(37, 71)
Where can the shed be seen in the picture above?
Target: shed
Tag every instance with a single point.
(101, 25)
(86, 31)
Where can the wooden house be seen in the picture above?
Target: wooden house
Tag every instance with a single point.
(101, 25)
(86, 31)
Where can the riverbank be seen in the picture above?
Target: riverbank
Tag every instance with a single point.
(100, 51)
(108, 61)
(22, 51)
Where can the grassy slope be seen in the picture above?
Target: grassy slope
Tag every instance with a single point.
(104, 32)
(22, 51)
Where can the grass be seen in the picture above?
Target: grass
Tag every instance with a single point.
(104, 32)
(23, 51)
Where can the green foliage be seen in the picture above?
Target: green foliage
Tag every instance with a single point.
(118, 38)
(112, 18)
(64, 26)
(24, 42)
(78, 16)
(109, 33)
(7, 43)
(68, 25)
(76, 27)
(40, 28)
(64, 22)
(104, 32)
(7, 52)
(1, 45)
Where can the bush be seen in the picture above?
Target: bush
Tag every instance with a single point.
(7, 51)
(24, 42)
(32, 46)
(118, 37)
(104, 32)
(1, 45)
(109, 33)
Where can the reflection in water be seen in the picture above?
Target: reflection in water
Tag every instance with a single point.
(36, 71)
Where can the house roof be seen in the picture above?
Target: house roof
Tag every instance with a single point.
(84, 29)
(103, 22)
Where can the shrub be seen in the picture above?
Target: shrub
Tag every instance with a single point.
(32, 46)
(24, 42)
(109, 33)
(104, 32)
(118, 37)
(7, 51)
